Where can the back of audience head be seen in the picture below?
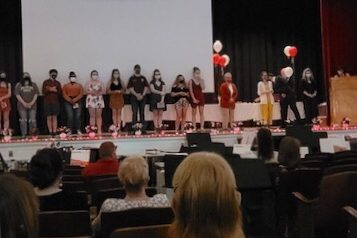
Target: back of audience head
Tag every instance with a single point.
(289, 152)
(265, 144)
(46, 168)
(107, 150)
(18, 208)
(134, 173)
(205, 202)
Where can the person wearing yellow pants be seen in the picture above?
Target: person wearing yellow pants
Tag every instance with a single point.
(265, 92)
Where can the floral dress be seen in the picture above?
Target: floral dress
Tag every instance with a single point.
(95, 101)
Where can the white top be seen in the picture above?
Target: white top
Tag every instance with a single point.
(115, 205)
(266, 97)
(230, 87)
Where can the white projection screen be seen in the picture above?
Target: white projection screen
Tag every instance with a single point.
(82, 35)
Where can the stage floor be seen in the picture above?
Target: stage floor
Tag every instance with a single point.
(22, 149)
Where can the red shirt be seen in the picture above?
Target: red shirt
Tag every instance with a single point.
(101, 167)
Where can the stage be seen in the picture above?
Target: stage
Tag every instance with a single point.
(19, 149)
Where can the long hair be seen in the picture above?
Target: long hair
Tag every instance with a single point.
(153, 76)
(18, 208)
(112, 77)
(303, 77)
(265, 144)
(206, 203)
(176, 83)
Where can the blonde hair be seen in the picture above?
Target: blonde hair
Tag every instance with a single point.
(206, 203)
(134, 173)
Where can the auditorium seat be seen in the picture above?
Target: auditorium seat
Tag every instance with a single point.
(74, 186)
(111, 221)
(340, 168)
(156, 231)
(324, 216)
(73, 178)
(352, 221)
(64, 224)
(111, 182)
(72, 170)
(24, 174)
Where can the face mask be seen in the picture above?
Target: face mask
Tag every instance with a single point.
(182, 81)
(53, 76)
(116, 76)
(197, 75)
(137, 71)
(26, 82)
(73, 79)
(94, 77)
(157, 77)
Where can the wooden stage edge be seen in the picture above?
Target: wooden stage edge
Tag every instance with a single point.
(22, 149)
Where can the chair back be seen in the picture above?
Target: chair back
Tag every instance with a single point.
(156, 231)
(336, 191)
(135, 217)
(64, 224)
(171, 163)
(340, 168)
(74, 186)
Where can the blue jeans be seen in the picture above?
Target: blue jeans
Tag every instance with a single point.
(73, 116)
(27, 116)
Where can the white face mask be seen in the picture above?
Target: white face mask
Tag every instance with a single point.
(73, 79)
(95, 77)
(157, 77)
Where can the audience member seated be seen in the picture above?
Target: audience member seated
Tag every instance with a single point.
(206, 202)
(107, 163)
(265, 144)
(45, 174)
(134, 175)
(289, 153)
(18, 208)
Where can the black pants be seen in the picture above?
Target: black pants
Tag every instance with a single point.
(310, 107)
(284, 103)
(136, 106)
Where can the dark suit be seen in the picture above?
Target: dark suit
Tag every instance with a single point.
(287, 87)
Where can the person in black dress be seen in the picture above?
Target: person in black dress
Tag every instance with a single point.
(181, 95)
(308, 87)
(157, 99)
(286, 89)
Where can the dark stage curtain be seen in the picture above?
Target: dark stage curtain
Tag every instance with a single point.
(254, 34)
(11, 47)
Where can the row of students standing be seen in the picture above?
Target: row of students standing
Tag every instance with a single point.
(138, 87)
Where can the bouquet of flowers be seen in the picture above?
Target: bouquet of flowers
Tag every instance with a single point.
(316, 124)
(345, 122)
(90, 129)
(138, 128)
(188, 128)
(236, 126)
(7, 134)
(114, 129)
(63, 130)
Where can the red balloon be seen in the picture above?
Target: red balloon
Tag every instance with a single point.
(293, 51)
(216, 58)
(222, 61)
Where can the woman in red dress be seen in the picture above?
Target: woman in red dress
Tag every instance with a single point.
(196, 85)
(229, 93)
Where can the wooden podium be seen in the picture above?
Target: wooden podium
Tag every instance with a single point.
(343, 99)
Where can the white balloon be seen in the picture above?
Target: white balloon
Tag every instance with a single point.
(288, 71)
(227, 59)
(217, 46)
(287, 51)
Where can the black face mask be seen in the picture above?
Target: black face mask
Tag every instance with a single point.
(53, 76)
(137, 71)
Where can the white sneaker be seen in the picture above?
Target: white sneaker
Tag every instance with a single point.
(79, 133)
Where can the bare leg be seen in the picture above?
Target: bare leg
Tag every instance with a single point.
(0, 120)
(155, 117)
(231, 117)
(183, 119)
(49, 124)
(91, 116)
(98, 118)
(202, 118)
(159, 120)
(115, 117)
(119, 118)
(194, 111)
(178, 118)
(54, 123)
(6, 120)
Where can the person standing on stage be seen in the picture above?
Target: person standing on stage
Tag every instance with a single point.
(181, 95)
(229, 93)
(196, 86)
(72, 94)
(157, 100)
(138, 87)
(116, 89)
(285, 87)
(265, 92)
(26, 93)
(95, 89)
(5, 104)
(52, 92)
(309, 90)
